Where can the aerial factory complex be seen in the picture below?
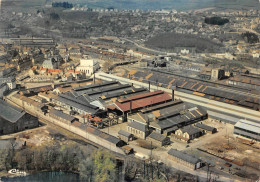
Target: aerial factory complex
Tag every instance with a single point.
(168, 88)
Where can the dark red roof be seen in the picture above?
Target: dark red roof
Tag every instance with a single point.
(73, 71)
(140, 96)
(54, 70)
(76, 123)
(143, 100)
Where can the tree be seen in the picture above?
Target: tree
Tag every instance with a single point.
(86, 169)
(131, 167)
(250, 37)
(106, 66)
(104, 166)
(3, 159)
(216, 20)
(11, 154)
(24, 159)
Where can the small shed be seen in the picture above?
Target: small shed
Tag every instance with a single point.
(158, 139)
(128, 150)
(206, 128)
(125, 136)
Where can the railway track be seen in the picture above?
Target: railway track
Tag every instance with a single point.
(230, 88)
(222, 107)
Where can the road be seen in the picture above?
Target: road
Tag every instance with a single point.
(229, 109)
(142, 47)
(250, 30)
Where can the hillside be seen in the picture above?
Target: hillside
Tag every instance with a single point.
(170, 41)
(148, 4)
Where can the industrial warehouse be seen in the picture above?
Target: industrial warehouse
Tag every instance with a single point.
(131, 90)
(105, 103)
(126, 117)
(196, 87)
(248, 130)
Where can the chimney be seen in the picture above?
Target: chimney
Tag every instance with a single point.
(131, 106)
(172, 94)
(94, 79)
(149, 86)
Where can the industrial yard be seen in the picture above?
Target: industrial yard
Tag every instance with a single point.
(160, 95)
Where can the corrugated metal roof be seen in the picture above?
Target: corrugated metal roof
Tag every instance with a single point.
(248, 125)
(205, 127)
(190, 130)
(140, 96)
(157, 136)
(61, 115)
(10, 113)
(141, 102)
(124, 133)
(174, 128)
(223, 117)
(183, 156)
(76, 123)
(162, 106)
(86, 87)
(138, 126)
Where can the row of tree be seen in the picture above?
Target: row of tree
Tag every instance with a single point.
(216, 20)
(49, 157)
(98, 166)
(250, 37)
(92, 165)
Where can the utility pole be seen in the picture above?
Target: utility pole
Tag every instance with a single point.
(151, 163)
(144, 169)
(207, 172)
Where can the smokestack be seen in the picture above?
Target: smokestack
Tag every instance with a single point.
(131, 106)
(173, 94)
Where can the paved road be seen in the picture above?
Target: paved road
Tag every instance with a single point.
(250, 30)
(142, 47)
(238, 111)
